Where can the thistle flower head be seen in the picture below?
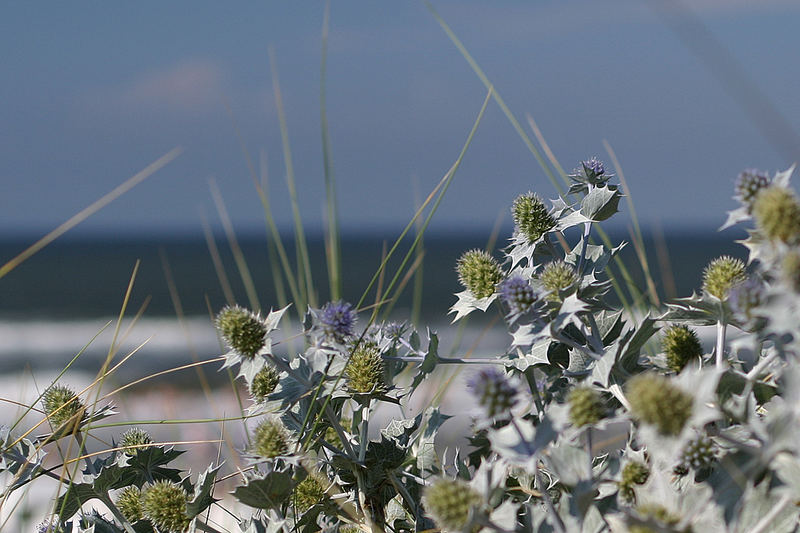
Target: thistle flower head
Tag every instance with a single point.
(310, 491)
(531, 216)
(338, 320)
(364, 371)
(594, 167)
(61, 406)
(557, 276)
(494, 392)
(517, 293)
(243, 330)
(722, 274)
(633, 473)
(586, 406)
(394, 330)
(656, 401)
(449, 502)
(134, 440)
(699, 452)
(479, 273)
(777, 214)
(164, 504)
(270, 439)
(745, 297)
(49, 525)
(264, 383)
(129, 503)
(681, 345)
(749, 183)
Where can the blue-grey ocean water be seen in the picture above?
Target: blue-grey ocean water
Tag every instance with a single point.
(54, 303)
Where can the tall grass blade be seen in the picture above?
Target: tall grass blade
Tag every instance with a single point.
(93, 208)
(303, 261)
(332, 242)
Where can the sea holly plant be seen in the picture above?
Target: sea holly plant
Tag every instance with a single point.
(590, 418)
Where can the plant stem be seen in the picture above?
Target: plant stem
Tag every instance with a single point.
(587, 229)
(556, 521)
(721, 330)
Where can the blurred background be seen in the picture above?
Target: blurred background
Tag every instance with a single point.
(686, 94)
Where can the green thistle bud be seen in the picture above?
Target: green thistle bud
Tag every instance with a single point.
(164, 504)
(449, 502)
(479, 273)
(310, 491)
(585, 406)
(681, 345)
(61, 406)
(364, 372)
(790, 269)
(655, 512)
(531, 216)
(264, 383)
(271, 439)
(134, 440)
(242, 330)
(722, 274)
(129, 503)
(698, 453)
(633, 473)
(557, 276)
(777, 214)
(656, 401)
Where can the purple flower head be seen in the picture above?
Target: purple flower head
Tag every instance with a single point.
(394, 330)
(495, 393)
(338, 319)
(594, 166)
(517, 293)
(749, 183)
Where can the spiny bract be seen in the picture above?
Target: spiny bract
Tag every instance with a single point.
(164, 504)
(722, 274)
(681, 345)
(655, 400)
(531, 216)
(449, 502)
(243, 331)
(479, 273)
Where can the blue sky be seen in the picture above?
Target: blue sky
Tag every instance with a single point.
(93, 92)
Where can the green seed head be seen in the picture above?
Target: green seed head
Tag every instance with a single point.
(655, 512)
(479, 273)
(557, 276)
(242, 330)
(722, 274)
(62, 406)
(310, 491)
(129, 503)
(364, 372)
(586, 406)
(531, 216)
(656, 401)
(633, 473)
(681, 345)
(790, 269)
(449, 503)
(777, 214)
(134, 439)
(164, 504)
(271, 439)
(699, 452)
(264, 383)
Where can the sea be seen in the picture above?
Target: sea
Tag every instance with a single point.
(66, 300)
